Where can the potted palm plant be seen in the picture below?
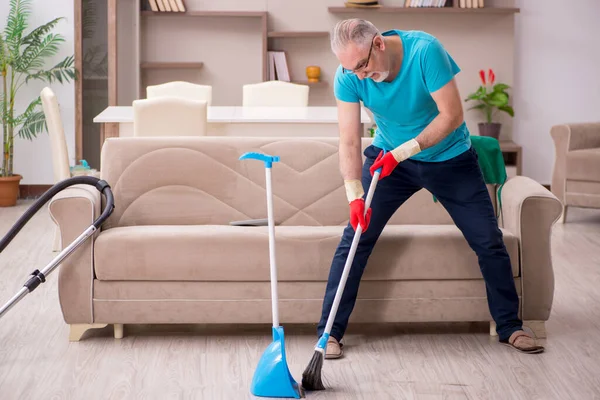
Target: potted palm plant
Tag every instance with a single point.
(491, 97)
(22, 59)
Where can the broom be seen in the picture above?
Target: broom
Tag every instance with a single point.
(311, 377)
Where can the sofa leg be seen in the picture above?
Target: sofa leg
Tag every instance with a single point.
(538, 328)
(493, 329)
(564, 215)
(77, 330)
(118, 331)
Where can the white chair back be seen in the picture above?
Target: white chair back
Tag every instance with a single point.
(56, 132)
(182, 89)
(169, 116)
(275, 94)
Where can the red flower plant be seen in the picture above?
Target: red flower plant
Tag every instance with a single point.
(490, 99)
(491, 76)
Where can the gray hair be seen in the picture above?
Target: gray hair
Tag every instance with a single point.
(354, 30)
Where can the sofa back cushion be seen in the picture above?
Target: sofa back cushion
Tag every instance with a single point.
(200, 181)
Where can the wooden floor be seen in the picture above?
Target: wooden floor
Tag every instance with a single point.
(394, 362)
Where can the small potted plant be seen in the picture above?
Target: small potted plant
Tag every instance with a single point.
(22, 56)
(490, 99)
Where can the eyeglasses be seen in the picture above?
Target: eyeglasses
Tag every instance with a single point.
(363, 65)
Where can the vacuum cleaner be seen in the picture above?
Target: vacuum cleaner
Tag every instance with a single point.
(38, 277)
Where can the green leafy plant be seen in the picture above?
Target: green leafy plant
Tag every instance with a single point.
(22, 59)
(491, 97)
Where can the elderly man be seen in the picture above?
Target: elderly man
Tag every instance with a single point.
(406, 78)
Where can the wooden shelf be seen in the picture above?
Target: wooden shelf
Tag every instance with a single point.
(173, 65)
(286, 34)
(425, 10)
(207, 13)
(314, 84)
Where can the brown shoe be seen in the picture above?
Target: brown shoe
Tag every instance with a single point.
(523, 342)
(333, 349)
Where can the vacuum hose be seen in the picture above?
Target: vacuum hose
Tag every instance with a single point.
(38, 277)
(101, 185)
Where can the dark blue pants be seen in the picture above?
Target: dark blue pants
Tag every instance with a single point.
(458, 184)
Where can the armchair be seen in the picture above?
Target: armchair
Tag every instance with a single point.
(576, 174)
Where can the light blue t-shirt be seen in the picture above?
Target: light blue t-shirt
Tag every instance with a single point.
(404, 107)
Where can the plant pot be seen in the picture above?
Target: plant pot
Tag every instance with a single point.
(490, 129)
(9, 190)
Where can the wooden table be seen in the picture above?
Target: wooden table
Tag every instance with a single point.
(244, 121)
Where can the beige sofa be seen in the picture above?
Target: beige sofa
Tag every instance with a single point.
(168, 253)
(576, 174)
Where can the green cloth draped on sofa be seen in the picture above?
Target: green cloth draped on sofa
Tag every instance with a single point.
(491, 162)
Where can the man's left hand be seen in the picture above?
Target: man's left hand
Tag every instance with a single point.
(390, 160)
(386, 162)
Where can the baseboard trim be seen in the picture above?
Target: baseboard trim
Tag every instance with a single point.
(32, 191)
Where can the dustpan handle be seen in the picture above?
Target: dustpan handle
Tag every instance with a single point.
(268, 160)
(272, 261)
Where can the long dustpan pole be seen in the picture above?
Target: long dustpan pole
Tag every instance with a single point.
(274, 295)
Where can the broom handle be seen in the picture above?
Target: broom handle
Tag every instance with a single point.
(350, 259)
(274, 297)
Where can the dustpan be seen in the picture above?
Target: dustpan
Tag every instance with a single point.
(272, 377)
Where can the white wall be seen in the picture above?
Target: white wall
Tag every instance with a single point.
(557, 75)
(33, 159)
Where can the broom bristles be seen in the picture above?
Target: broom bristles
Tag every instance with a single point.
(311, 377)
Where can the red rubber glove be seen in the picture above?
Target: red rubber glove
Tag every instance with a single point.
(357, 214)
(386, 162)
(391, 159)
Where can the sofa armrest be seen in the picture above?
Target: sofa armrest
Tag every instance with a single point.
(74, 210)
(529, 211)
(569, 137)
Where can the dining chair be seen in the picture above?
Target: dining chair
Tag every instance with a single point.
(275, 94)
(58, 146)
(169, 116)
(183, 89)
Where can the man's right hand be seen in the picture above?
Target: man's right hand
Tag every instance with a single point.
(357, 214)
(351, 161)
(355, 192)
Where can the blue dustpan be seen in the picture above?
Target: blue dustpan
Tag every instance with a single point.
(272, 376)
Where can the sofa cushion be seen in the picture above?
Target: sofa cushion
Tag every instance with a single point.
(303, 253)
(584, 165)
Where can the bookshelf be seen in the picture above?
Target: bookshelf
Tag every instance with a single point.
(207, 13)
(279, 41)
(298, 31)
(171, 65)
(297, 34)
(144, 16)
(423, 10)
(312, 84)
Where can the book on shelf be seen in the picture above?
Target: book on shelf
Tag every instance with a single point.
(164, 5)
(278, 67)
(470, 3)
(425, 3)
(444, 3)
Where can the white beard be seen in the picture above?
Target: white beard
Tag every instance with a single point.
(382, 75)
